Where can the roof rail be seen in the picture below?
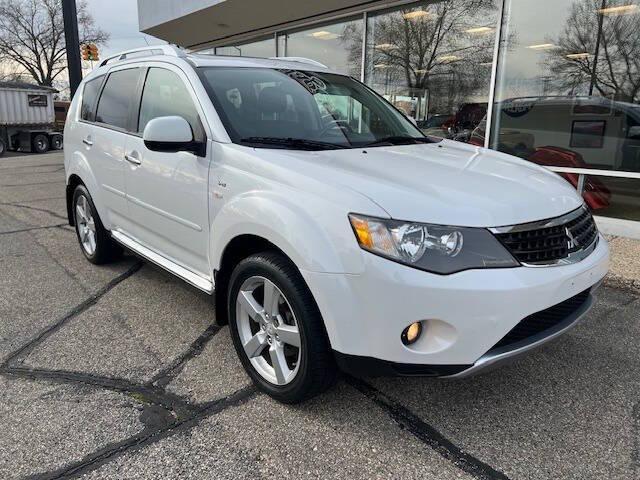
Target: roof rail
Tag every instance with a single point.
(170, 50)
(300, 60)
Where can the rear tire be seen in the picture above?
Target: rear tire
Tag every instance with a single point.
(95, 241)
(302, 371)
(56, 142)
(40, 143)
(3, 148)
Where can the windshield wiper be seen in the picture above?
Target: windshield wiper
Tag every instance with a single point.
(399, 140)
(297, 143)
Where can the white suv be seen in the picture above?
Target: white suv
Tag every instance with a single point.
(331, 230)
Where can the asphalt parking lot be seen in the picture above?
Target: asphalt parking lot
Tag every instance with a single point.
(120, 372)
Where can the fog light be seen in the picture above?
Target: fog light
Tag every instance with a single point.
(411, 333)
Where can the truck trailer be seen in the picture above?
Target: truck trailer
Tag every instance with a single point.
(27, 118)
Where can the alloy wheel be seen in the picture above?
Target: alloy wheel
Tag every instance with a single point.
(85, 225)
(268, 330)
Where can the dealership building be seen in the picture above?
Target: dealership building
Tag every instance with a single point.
(555, 82)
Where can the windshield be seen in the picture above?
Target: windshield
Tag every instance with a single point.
(296, 109)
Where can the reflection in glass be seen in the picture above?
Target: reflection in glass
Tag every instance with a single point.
(263, 48)
(613, 196)
(339, 45)
(273, 108)
(433, 61)
(569, 80)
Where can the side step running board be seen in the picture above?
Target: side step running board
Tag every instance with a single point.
(203, 283)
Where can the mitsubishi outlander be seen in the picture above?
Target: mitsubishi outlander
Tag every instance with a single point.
(333, 233)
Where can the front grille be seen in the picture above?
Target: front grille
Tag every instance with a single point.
(543, 320)
(548, 244)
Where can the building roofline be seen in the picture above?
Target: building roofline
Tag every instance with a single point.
(27, 86)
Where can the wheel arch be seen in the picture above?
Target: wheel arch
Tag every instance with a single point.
(72, 182)
(78, 172)
(237, 249)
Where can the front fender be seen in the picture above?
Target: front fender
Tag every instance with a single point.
(317, 236)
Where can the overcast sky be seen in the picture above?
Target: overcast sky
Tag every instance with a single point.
(119, 18)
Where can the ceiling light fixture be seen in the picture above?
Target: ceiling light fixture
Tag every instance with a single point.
(416, 14)
(479, 30)
(620, 10)
(542, 46)
(324, 35)
(449, 58)
(577, 56)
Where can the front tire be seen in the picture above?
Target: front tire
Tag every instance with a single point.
(95, 241)
(277, 329)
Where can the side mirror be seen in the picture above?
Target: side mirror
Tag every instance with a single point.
(171, 134)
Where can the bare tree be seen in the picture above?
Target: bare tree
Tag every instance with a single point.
(32, 36)
(418, 45)
(616, 73)
(9, 72)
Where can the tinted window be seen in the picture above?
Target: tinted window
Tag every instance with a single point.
(165, 95)
(89, 96)
(117, 97)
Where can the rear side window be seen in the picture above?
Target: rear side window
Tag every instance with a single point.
(165, 94)
(117, 98)
(89, 97)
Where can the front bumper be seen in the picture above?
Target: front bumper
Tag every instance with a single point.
(465, 314)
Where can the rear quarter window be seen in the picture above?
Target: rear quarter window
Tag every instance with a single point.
(89, 97)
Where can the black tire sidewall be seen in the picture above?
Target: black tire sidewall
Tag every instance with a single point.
(57, 142)
(82, 191)
(46, 143)
(259, 265)
(105, 248)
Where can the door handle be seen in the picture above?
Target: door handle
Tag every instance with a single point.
(87, 142)
(133, 160)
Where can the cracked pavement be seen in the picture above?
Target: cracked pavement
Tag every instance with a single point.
(120, 372)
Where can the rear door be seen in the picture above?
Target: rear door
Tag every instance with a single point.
(112, 125)
(167, 192)
(78, 135)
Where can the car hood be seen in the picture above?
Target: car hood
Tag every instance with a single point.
(448, 183)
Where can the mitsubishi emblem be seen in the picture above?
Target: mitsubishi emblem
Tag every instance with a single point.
(572, 243)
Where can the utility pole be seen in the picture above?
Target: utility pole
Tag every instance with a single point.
(72, 41)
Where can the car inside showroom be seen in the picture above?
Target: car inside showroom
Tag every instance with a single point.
(554, 82)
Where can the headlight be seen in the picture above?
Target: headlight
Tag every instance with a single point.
(435, 248)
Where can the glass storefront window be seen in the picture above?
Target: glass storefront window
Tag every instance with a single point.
(568, 85)
(262, 48)
(338, 45)
(613, 196)
(433, 61)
